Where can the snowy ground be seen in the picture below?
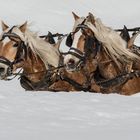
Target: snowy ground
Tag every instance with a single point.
(70, 116)
(67, 116)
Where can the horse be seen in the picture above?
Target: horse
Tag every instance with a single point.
(40, 59)
(22, 48)
(112, 57)
(78, 74)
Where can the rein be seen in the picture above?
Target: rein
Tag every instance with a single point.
(75, 84)
(129, 30)
(14, 75)
(49, 70)
(54, 35)
(118, 80)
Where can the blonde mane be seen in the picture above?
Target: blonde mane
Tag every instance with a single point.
(113, 44)
(47, 52)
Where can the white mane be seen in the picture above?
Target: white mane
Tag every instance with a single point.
(113, 44)
(47, 52)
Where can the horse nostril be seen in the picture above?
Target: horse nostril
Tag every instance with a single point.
(2, 70)
(71, 62)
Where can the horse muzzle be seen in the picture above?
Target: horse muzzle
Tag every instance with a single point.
(72, 66)
(5, 71)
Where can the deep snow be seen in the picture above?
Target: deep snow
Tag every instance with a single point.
(67, 116)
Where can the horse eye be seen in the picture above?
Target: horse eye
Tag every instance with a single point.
(16, 45)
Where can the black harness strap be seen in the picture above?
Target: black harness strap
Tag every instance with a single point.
(118, 80)
(76, 50)
(41, 85)
(53, 35)
(74, 54)
(10, 35)
(129, 30)
(5, 61)
(76, 85)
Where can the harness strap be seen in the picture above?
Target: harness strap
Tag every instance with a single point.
(54, 35)
(5, 61)
(75, 54)
(78, 51)
(129, 30)
(76, 85)
(10, 34)
(14, 75)
(118, 80)
(43, 84)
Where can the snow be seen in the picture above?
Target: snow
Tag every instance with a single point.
(39, 115)
(67, 116)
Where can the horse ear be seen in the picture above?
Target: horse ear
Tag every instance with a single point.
(125, 34)
(23, 27)
(4, 26)
(91, 18)
(50, 38)
(75, 16)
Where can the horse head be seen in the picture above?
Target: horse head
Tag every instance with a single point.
(82, 43)
(10, 46)
(22, 48)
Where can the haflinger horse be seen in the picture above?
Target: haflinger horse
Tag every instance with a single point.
(37, 57)
(111, 62)
(79, 65)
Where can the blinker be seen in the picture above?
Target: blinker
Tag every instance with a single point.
(69, 40)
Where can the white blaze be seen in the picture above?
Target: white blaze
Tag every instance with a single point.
(76, 39)
(74, 45)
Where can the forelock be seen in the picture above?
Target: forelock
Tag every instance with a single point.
(77, 22)
(18, 32)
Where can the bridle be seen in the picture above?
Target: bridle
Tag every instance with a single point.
(10, 35)
(88, 47)
(21, 51)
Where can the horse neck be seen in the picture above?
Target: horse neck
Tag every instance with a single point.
(107, 67)
(33, 68)
(90, 64)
